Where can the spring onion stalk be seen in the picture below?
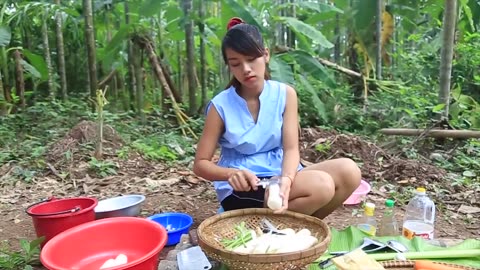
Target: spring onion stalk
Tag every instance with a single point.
(243, 235)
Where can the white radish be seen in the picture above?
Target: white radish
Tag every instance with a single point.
(298, 243)
(262, 244)
(108, 263)
(304, 232)
(274, 200)
(121, 259)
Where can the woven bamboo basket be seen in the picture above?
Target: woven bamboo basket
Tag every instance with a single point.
(409, 265)
(221, 226)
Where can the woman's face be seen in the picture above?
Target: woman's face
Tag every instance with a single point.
(248, 70)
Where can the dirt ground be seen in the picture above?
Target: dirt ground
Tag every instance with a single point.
(175, 188)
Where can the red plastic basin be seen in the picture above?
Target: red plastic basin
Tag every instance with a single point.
(89, 245)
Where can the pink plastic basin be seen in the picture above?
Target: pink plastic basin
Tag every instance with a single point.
(359, 194)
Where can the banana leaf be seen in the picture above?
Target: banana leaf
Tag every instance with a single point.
(351, 238)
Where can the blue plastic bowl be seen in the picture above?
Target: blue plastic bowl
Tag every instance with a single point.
(176, 224)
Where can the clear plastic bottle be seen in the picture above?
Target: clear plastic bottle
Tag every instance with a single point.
(388, 224)
(367, 222)
(419, 219)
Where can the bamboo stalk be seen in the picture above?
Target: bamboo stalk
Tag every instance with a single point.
(181, 116)
(19, 80)
(436, 133)
(110, 75)
(339, 68)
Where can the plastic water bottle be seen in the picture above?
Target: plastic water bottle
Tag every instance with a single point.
(367, 222)
(388, 224)
(419, 219)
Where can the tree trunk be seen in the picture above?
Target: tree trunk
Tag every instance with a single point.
(26, 40)
(378, 23)
(203, 62)
(446, 57)
(132, 89)
(19, 81)
(91, 49)
(61, 53)
(394, 45)
(113, 82)
(192, 98)
(131, 75)
(166, 72)
(337, 48)
(4, 88)
(138, 68)
(48, 59)
(180, 70)
(3, 107)
(290, 33)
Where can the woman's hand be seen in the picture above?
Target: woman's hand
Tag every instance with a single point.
(243, 180)
(285, 185)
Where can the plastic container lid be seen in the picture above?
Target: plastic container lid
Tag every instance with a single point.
(389, 203)
(421, 190)
(369, 205)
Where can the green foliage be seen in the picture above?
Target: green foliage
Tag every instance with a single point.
(166, 147)
(24, 137)
(464, 165)
(5, 35)
(102, 168)
(24, 259)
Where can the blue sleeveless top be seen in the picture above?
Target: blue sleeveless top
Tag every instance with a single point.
(256, 147)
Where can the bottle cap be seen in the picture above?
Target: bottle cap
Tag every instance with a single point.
(421, 190)
(389, 203)
(369, 209)
(370, 206)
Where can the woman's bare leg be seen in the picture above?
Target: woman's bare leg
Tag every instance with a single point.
(321, 188)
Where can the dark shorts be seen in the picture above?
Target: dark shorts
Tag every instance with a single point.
(245, 199)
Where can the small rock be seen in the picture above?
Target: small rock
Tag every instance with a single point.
(172, 255)
(168, 265)
(184, 243)
(468, 209)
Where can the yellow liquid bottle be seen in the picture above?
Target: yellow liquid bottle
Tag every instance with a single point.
(367, 222)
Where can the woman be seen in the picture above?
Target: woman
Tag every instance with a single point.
(255, 121)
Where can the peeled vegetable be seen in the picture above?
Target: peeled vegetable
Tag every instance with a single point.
(119, 260)
(286, 240)
(274, 200)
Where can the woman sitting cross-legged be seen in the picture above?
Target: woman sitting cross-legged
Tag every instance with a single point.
(255, 121)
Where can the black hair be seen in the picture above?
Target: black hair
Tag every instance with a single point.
(244, 39)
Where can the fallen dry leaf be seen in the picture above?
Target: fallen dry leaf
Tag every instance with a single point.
(192, 179)
(160, 182)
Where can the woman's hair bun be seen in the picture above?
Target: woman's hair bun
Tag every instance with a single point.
(234, 21)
